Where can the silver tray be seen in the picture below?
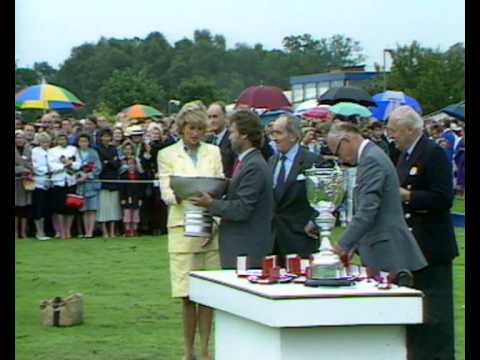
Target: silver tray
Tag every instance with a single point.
(188, 186)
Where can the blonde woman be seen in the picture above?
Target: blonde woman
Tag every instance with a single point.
(190, 156)
(41, 197)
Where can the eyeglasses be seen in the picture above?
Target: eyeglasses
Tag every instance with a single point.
(338, 146)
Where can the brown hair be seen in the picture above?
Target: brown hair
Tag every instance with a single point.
(376, 125)
(61, 134)
(248, 123)
(126, 143)
(84, 135)
(436, 127)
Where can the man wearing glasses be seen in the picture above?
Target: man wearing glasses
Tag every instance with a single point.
(378, 231)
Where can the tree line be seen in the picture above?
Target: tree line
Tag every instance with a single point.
(114, 73)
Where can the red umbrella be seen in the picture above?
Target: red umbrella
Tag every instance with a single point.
(318, 113)
(263, 97)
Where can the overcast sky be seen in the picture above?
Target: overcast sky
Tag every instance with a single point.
(47, 30)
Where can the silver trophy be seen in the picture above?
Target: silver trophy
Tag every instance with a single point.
(198, 221)
(325, 191)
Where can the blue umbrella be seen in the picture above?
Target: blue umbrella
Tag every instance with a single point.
(389, 100)
(269, 116)
(455, 110)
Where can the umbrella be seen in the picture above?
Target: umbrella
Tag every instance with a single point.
(139, 111)
(350, 94)
(230, 107)
(348, 108)
(264, 97)
(268, 116)
(46, 96)
(318, 113)
(389, 100)
(455, 110)
(306, 105)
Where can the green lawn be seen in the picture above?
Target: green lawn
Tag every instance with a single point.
(458, 205)
(129, 314)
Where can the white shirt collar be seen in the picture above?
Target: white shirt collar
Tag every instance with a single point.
(221, 135)
(361, 148)
(245, 153)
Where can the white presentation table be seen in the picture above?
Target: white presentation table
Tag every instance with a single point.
(292, 321)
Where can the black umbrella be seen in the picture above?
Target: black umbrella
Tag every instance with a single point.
(455, 110)
(346, 94)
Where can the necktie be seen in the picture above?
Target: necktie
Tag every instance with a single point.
(280, 177)
(236, 167)
(217, 140)
(402, 159)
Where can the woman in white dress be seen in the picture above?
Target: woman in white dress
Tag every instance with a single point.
(41, 176)
(63, 161)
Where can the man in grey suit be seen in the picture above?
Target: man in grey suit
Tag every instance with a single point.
(378, 230)
(247, 210)
(292, 210)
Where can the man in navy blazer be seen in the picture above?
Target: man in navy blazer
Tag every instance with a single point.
(221, 136)
(426, 189)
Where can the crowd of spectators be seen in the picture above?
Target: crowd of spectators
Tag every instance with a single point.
(91, 157)
(113, 165)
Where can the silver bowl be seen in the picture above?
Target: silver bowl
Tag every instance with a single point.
(188, 186)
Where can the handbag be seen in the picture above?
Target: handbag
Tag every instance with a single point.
(75, 201)
(28, 184)
(62, 312)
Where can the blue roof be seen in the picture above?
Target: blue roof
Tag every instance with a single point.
(353, 75)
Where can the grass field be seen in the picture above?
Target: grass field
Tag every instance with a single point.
(459, 205)
(129, 314)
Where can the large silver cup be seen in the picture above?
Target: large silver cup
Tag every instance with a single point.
(325, 191)
(198, 221)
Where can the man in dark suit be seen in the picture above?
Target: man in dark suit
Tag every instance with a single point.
(247, 210)
(292, 209)
(378, 137)
(378, 230)
(221, 136)
(425, 175)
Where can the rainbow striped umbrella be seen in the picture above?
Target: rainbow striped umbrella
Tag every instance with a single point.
(46, 96)
(139, 111)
